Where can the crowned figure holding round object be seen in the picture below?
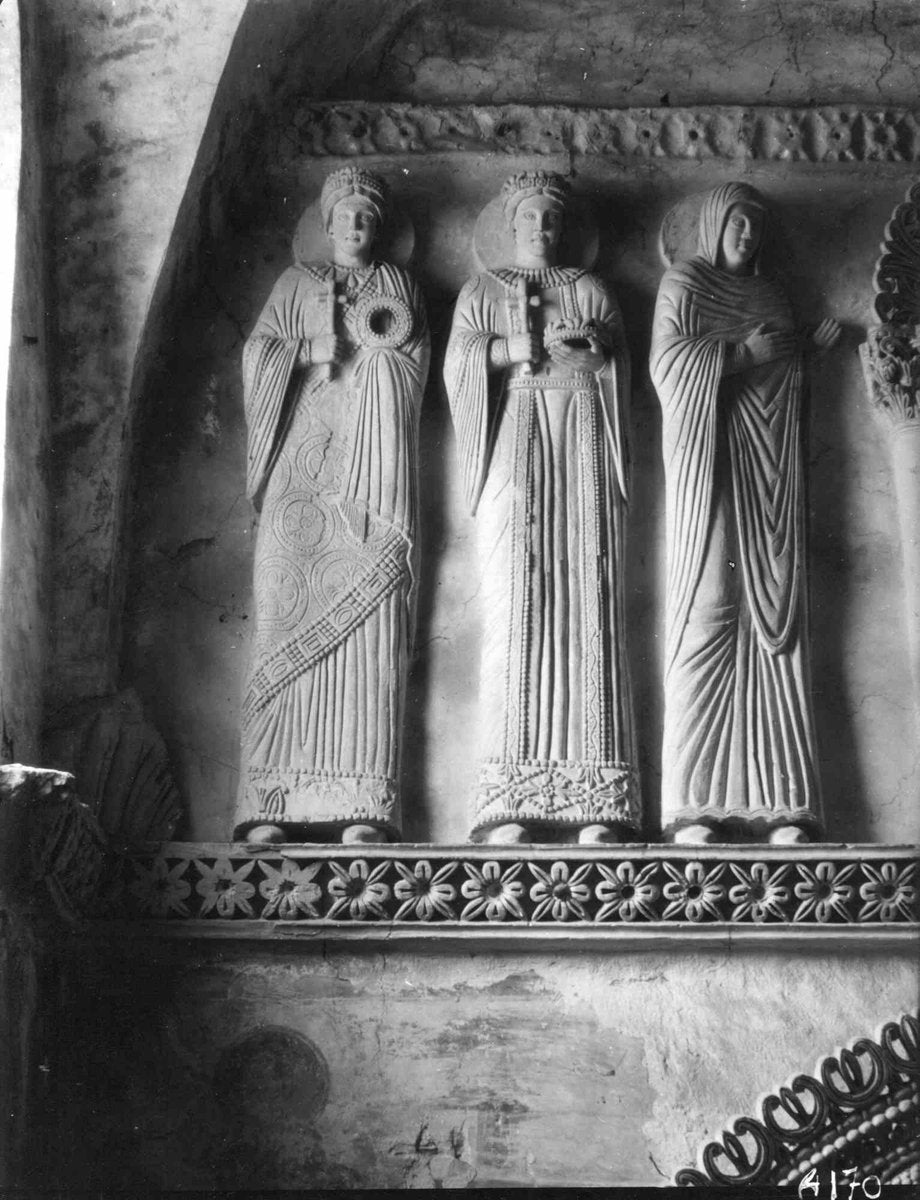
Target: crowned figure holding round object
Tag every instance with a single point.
(333, 375)
(537, 374)
(739, 752)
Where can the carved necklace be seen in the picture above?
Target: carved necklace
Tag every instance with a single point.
(542, 276)
(353, 280)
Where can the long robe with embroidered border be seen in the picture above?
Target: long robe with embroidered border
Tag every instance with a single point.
(333, 468)
(543, 458)
(738, 731)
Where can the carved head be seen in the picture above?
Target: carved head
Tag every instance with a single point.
(353, 205)
(733, 221)
(534, 206)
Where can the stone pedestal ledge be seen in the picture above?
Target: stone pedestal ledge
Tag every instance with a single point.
(542, 894)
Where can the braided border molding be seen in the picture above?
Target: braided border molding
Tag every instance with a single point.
(860, 1109)
(829, 134)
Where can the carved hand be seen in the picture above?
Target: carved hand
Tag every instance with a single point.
(826, 335)
(766, 345)
(324, 349)
(576, 359)
(522, 348)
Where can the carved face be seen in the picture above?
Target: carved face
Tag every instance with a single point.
(741, 238)
(352, 229)
(537, 227)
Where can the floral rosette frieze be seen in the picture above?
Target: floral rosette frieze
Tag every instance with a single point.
(637, 887)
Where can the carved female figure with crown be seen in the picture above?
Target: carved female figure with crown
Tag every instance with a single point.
(333, 372)
(537, 374)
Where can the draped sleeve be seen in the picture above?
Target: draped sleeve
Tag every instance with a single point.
(471, 392)
(293, 312)
(388, 383)
(595, 301)
(686, 367)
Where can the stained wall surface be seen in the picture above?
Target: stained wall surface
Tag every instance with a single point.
(185, 1069)
(24, 382)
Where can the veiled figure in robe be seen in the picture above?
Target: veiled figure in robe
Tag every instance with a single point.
(739, 745)
(334, 372)
(538, 380)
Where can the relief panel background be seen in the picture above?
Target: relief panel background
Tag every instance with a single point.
(190, 601)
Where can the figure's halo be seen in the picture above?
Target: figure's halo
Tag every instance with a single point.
(493, 243)
(395, 242)
(679, 234)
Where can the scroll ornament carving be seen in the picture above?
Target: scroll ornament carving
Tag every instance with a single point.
(860, 1109)
(334, 372)
(891, 354)
(891, 366)
(538, 382)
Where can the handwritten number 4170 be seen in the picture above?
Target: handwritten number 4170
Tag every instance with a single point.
(871, 1185)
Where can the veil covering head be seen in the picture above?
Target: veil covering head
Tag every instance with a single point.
(714, 213)
(353, 181)
(520, 187)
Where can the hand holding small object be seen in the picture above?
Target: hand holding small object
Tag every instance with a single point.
(327, 348)
(523, 348)
(587, 358)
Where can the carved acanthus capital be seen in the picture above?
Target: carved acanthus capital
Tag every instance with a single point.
(891, 365)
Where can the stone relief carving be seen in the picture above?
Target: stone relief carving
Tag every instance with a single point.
(538, 381)
(858, 1116)
(333, 378)
(727, 363)
(658, 888)
(891, 365)
(122, 768)
(826, 134)
(49, 838)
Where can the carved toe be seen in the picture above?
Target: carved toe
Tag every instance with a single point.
(599, 835)
(694, 835)
(508, 835)
(788, 835)
(362, 835)
(265, 835)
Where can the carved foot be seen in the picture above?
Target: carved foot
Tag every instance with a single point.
(265, 835)
(694, 835)
(788, 835)
(362, 835)
(508, 835)
(599, 835)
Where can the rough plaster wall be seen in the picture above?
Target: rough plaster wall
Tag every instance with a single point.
(527, 1069)
(635, 53)
(129, 90)
(25, 517)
